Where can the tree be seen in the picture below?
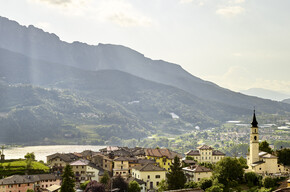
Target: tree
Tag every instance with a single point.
(84, 185)
(176, 178)
(205, 183)
(118, 182)
(228, 171)
(190, 184)
(268, 182)
(264, 146)
(134, 187)
(162, 186)
(251, 179)
(283, 156)
(29, 190)
(243, 162)
(30, 156)
(215, 188)
(106, 178)
(68, 181)
(94, 186)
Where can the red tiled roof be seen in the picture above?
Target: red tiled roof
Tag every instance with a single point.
(161, 153)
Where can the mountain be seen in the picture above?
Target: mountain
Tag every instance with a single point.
(286, 101)
(54, 92)
(44, 100)
(35, 43)
(266, 94)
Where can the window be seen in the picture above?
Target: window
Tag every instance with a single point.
(157, 176)
(164, 163)
(82, 166)
(157, 183)
(260, 169)
(19, 185)
(198, 179)
(148, 177)
(28, 184)
(278, 165)
(122, 162)
(206, 153)
(77, 166)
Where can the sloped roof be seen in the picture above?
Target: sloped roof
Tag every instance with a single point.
(197, 169)
(217, 152)
(269, 156)
(140, 182)
(67, 157)
(257, 163)
(148, 167)
(161, 153)
(204, 147)
(80, 162)
(193, 152)
(19, 179)
(53, 188)
(145, 161)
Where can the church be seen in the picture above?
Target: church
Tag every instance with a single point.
(259, 161)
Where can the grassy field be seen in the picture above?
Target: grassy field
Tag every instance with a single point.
(22, 165)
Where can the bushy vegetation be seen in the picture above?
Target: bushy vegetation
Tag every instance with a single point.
(21, 167)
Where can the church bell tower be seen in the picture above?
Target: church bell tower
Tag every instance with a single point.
(254, 141)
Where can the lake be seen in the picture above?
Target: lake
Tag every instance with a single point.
(42, 151)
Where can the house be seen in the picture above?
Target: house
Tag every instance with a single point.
(84, 170)
(58, 161)
(259, 161)
(22, 183)
(205, 154)
(141, 183)
(121, 166)
(163, 157)
(196, 173)
(152, 175)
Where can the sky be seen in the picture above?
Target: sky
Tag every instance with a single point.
(237, 44)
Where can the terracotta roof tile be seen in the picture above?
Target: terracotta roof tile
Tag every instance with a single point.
(148, 167)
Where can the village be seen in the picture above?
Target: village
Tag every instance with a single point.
(148, 167)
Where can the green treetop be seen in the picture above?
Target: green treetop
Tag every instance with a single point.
(176, 178)
(68, 181)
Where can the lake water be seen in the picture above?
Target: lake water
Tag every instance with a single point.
(42, 151)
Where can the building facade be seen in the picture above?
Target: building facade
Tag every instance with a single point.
(152, 175)
(196, 173)
(205, 154)
(259, 161)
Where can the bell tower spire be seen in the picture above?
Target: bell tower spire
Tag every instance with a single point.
(254, 141)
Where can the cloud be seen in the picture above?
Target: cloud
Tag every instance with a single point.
(54, 2)
(237, 54)
(230, 11)
(122, 13)
(197, 2)
(119, 12)
(239, 1)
